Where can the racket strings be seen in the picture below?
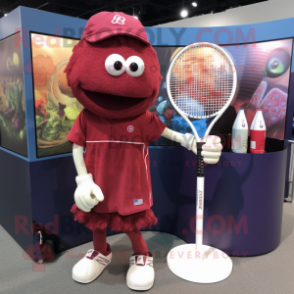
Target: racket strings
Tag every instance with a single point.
(201, 81)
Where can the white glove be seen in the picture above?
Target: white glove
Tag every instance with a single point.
(211, 150)
(87, 193)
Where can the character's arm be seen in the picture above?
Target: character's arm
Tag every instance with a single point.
(211, 149)
(87, 193)
(78, 157)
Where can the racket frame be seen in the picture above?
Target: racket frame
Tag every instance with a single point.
(201, 141)
(217, 114)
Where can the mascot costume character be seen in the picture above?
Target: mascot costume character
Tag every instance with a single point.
(115, 74)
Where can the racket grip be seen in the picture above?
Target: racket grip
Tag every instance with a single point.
(200, 162)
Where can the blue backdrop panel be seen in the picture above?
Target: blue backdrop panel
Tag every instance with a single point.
(243, 199)
(15, 192)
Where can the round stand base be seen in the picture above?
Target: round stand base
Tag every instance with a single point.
(206, 265)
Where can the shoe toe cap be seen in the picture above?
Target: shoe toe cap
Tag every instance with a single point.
(140, 277)
(85, 271)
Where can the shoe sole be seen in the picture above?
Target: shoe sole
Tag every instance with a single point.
(87, 282)
(140, 288)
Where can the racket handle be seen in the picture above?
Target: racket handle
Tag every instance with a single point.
(200, 162)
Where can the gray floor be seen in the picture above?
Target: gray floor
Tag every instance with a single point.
(270, 273)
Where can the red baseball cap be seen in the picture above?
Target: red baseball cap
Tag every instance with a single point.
(108, 24)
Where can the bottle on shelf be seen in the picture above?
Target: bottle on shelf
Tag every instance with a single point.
(257, 133)
(240, 133)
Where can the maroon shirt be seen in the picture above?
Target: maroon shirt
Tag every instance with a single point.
(117, 157)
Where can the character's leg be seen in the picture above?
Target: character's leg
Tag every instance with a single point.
(138, 243)
(99, 240)
(95, 261)
(141, 273)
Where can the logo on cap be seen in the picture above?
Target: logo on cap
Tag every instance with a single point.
(118, 19)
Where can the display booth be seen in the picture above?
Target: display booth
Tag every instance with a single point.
(243, 192)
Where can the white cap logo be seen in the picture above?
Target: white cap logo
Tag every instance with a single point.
(118, 19)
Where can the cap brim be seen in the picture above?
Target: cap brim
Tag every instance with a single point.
(97, 37)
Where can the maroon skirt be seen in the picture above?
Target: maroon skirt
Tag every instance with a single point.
(114, 221)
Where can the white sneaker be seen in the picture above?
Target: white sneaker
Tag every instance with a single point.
(90, 266)
(141, 273)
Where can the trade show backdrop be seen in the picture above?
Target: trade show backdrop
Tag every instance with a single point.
(243, 192)
(12, 108)
(263, 71)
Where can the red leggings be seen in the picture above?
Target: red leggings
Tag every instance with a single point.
(138, 243)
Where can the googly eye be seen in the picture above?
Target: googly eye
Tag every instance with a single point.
(134, 66)
(115, 64)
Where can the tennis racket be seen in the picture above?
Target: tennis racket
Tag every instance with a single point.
(201, 83)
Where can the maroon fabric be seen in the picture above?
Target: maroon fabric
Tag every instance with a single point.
(117, 157)
(99, 240)
(138, 243)
(114, 221)
(109, 96)
(106, 24)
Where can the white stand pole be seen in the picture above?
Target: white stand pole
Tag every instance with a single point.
(197, 262)
(200, 263)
